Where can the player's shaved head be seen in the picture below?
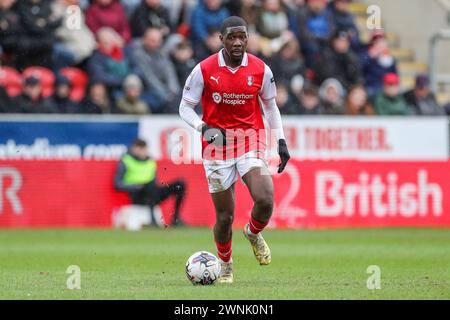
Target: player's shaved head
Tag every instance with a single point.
(233, 23)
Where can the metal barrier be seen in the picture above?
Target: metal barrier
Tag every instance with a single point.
(435, 77)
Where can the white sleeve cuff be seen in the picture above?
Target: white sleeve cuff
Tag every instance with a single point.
(188, 114)
(273, 117)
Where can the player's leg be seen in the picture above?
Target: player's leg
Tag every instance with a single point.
(222, 176)
(260, 185)
(223, 232)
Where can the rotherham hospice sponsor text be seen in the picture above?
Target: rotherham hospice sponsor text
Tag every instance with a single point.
(41, 149)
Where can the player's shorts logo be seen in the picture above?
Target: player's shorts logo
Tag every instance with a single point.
(217, 97)
(250, 80)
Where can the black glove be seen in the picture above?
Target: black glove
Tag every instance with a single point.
(214, 136)
(284, 155)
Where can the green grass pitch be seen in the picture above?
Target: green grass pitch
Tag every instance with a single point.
(306, 264)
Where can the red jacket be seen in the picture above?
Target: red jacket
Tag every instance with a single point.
(113, 16)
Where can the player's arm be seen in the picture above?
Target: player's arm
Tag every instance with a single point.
(192, 94)
(273, 116)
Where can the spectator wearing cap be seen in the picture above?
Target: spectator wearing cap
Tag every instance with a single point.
(315, 28)
(377, 61)
(390, 102)
(131, 103)
(339, 62)
(422, 99)
(61, 96)
(108, 13)
(344, 20)
(31, 100)
(150, 13)
(206, 16)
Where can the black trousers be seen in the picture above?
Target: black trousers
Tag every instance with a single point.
(153, 194)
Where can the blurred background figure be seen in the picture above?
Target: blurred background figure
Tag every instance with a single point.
(131, 102)
(422, 99)
(72, 47)
(377, 61)
(182, 56)
(390, 102)
(136, 175)
(109, 64)
(158, 73)
(108, 13)
(316, 26)
(344, 20)
(308, 101)
(339, 62)
(206, 16)
(37, 35)
(61, 97)
(150, 13)
(332, 95)
(97, 101)
(287, 62)
(357, 102)
(32, 100)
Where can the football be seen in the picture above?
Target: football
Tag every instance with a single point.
(202, 268)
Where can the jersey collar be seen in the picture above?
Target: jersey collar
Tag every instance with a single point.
(222, 63)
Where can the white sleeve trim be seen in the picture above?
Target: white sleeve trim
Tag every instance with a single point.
(273, 117)
(188, 114)
(268, 88)
(193, 88)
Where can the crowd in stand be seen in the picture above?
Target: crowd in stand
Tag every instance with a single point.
(137, 55)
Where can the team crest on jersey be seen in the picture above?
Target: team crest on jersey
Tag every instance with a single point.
(250, 80)
(217, 97)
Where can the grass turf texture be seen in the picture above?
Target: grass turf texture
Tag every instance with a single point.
(325, 264)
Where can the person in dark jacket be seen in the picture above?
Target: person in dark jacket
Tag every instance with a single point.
(422, 99)
(315, 28)
(339, 62)
(136, 175)
(287, 62)
(97, 100)
(150, 13)
(376, 62)
(37, 36)
(32, 100)
(345, 20)
(61, 97)
(5, 100)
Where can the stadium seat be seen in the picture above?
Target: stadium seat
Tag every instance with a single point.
(45, 75)
(11, 80)
(78, 79)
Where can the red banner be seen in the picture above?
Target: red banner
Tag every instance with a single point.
(309, 194)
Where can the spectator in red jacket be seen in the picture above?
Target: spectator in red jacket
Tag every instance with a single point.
(108, 13)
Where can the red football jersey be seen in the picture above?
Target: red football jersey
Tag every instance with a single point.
(230, 100)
